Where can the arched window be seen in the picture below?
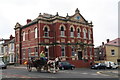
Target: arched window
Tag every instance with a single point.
(62, 32)
(78, 33)
(89, 34)
(90, 50)
(23, 36)
(73, 51)
(46, 33)
(84, 33)
(63, 51)
(36, 34)
(71, 32)
(28, 34)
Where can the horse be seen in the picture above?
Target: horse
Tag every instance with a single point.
(50, 65)
(53, 65)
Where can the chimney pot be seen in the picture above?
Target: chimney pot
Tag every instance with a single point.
(102, 43)
(28, 20)
(108, 40)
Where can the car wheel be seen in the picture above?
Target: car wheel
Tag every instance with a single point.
(3, 67)
(72, 68)
(116, 68)
(105, 68)
(62, 68)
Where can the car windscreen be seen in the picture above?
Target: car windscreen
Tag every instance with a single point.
(1, 62)
(65, 63)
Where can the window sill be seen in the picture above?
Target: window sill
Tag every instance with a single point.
(62, 36)
(46, 37)
(71, 36)
(78, 37)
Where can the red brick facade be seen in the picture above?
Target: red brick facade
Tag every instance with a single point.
(70, 38)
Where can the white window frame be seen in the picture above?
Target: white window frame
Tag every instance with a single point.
(113, 52)
(36, 33)
(73, 51)
(46, 33)
(78, 33)
(23, 36)
(84, 33)
(62, 32)
(63, 52)
(89, 34)
(71, 32)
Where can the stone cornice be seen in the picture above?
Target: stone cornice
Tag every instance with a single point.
(55, 20)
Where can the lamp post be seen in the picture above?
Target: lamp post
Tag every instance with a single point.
(47, 47)
(76, 56)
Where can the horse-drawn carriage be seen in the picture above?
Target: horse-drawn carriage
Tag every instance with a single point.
(41, 64)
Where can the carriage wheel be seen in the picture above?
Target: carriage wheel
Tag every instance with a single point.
(38, 69)
(29, 67)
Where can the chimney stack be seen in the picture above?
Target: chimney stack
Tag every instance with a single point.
(102, 43)
(11, 37)
(108, 40)
(28, 20)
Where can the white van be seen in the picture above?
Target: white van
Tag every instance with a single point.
(110, 64)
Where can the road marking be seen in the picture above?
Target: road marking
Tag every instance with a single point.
(94, 74)
(100, 72)
(84, 73)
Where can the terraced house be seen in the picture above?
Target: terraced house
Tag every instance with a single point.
(70, 38)
(112, 50)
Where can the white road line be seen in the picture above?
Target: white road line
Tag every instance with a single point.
(84, 73)
(94, 74)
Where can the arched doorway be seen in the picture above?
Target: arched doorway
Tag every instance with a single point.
(80, 55)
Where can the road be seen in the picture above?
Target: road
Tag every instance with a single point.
(21, 72)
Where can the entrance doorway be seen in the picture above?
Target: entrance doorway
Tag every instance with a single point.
(46, 52)
(79, 55)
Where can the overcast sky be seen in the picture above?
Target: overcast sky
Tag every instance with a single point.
(103, 14)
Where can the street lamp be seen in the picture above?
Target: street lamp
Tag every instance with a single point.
(47, 47)
(47, 51)
(76, 56)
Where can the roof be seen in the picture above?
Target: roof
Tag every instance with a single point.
(115, 42)
(50, 18)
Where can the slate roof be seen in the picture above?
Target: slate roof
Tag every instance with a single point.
(115, 42)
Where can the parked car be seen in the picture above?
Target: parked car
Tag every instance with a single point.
(98, 66)
(66, 65)
(111, 65)
(3, 65)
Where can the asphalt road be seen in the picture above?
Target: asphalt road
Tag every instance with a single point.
(21, 72)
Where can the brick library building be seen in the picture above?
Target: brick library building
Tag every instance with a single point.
(70, 38)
